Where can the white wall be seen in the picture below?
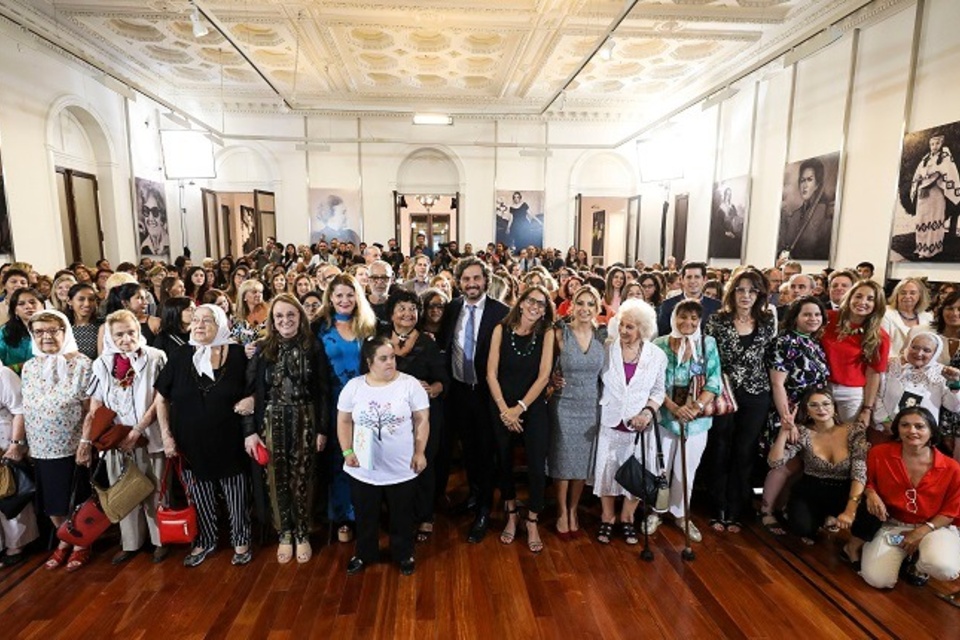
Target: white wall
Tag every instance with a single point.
(713, 144)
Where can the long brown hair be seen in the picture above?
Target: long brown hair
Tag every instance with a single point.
(545, 321)
(870, 342)
(759, 310)
(270, 343)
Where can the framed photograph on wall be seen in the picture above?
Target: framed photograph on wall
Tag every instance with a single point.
(335, 213)
(728, 216)
(519, 216)
(808, 207)
(151, 211)
(925, 226)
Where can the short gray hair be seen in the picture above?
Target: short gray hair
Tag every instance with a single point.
(641, 313)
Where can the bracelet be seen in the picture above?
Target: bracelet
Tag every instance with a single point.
(932, 526)
(855, 499)
(700, 405)
(348, 452)
(522, 404)
(19, 443)
(85, 441)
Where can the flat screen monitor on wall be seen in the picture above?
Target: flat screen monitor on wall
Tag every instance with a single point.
(187, 155)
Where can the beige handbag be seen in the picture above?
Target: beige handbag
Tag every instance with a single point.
(8, 484)
(130, 489)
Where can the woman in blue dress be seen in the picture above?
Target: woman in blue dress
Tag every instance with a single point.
(344, 321)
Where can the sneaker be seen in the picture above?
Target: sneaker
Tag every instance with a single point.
(695, 534)
(652, 524)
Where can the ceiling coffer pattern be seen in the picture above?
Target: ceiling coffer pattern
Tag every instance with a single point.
(474, 56)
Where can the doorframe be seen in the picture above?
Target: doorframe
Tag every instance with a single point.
(68, 175)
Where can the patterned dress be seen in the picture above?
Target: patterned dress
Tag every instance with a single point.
(53, 408)
(802, 359)
(574, 408)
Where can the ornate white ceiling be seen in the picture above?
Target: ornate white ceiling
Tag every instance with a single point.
(496, 57)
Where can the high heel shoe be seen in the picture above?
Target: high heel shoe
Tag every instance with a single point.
(507, 537)
(536, 546)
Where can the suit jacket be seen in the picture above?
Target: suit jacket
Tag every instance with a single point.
(494, 312)
(710, 306)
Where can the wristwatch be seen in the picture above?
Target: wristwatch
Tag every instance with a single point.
(19, 443)
(700, 405)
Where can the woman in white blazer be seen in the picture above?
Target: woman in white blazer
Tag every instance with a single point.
(906, 310)
(633, 390)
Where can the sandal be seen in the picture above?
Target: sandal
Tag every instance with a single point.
(304, 551)
(771, 524)
(78, 558)
(57, 558)
(507, 537)
(345, 533)
(629, 533)
(733, 526)
(424, 533)
(605, 533)
(717, 525)
(536, 546)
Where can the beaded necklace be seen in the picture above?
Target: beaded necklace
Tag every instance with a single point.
(530, 347)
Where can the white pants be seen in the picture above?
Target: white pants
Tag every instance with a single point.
(847, 400)
(939, 555)
(671, 459)
(20, 531)
(142, 521)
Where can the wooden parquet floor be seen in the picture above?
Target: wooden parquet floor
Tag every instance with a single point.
(749, 585)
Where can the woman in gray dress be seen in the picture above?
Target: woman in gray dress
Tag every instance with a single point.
(573, 406)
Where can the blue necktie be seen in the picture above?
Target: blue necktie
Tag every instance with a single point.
(469, 346)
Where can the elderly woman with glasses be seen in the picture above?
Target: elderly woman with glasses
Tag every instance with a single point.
(201, 394)
(908, 508)
(54, 391)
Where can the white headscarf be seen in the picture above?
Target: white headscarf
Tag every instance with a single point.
(928, 368)
(204, 352)
(111, 348)
(691, 342)
(55, 363)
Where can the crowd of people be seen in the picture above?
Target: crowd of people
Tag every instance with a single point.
(359, 370)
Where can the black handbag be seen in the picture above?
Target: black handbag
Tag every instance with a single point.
(645, 484)
(26, 488)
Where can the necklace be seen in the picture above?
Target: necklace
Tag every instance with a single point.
(529, 348)
(904, 316)
(403, 337)
(635, 358)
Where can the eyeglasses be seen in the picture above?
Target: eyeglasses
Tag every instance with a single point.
(911, 500)
(542, 304)
(312, 305)
(378, 278)
(203, 320)
(744, 291)
(40, 333)
(826, 404)
(156, 212)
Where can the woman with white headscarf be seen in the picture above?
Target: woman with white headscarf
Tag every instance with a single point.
(123, 379)
(54, 387)
(916, 379)
(202, 393)
(689, 354)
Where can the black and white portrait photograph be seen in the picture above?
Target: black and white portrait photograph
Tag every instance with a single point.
(520, 218)
(249, 234)
(925, 227)
(728, 213)
(808, 207)
(598, 233)
(335, 214)
(151, 206)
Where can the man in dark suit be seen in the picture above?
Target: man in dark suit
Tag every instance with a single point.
(467, 328)
(692, 277)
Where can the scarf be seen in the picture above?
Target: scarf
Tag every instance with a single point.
(56, 363)
(202, 356)
(691, 342)
(933, 368)
(122, 361)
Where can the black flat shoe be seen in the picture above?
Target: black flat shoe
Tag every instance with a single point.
(478, 530)
(407, 567)
(121, 557)
(355, 566)
(240, 559)
(910, 575)
(160, 554)
(196, 559)
(13, 560)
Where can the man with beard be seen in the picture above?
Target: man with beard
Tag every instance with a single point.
(380, 277)
(468, 325)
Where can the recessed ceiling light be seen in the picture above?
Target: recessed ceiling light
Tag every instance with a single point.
(432, 118)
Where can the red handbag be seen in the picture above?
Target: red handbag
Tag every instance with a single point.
(176, 526)
(87, 523)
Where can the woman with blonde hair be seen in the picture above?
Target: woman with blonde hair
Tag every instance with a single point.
(60, 293)
(907, 309)
(250, 313)
(345, 320)
(857, 349)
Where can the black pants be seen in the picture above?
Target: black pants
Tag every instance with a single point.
(426, 481)
(536, 436)
(732, 452)
(470, 412)
(366, 504)
(812, 500)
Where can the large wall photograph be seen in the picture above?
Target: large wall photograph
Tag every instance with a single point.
(808, 207)
(728, 215)
(520, 218)
(925, 227)
(152, 228)
(335, 213)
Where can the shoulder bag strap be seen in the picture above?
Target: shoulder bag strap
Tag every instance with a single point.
(655, 425)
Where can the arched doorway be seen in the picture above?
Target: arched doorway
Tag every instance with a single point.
(606, 221)
(427, 199)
